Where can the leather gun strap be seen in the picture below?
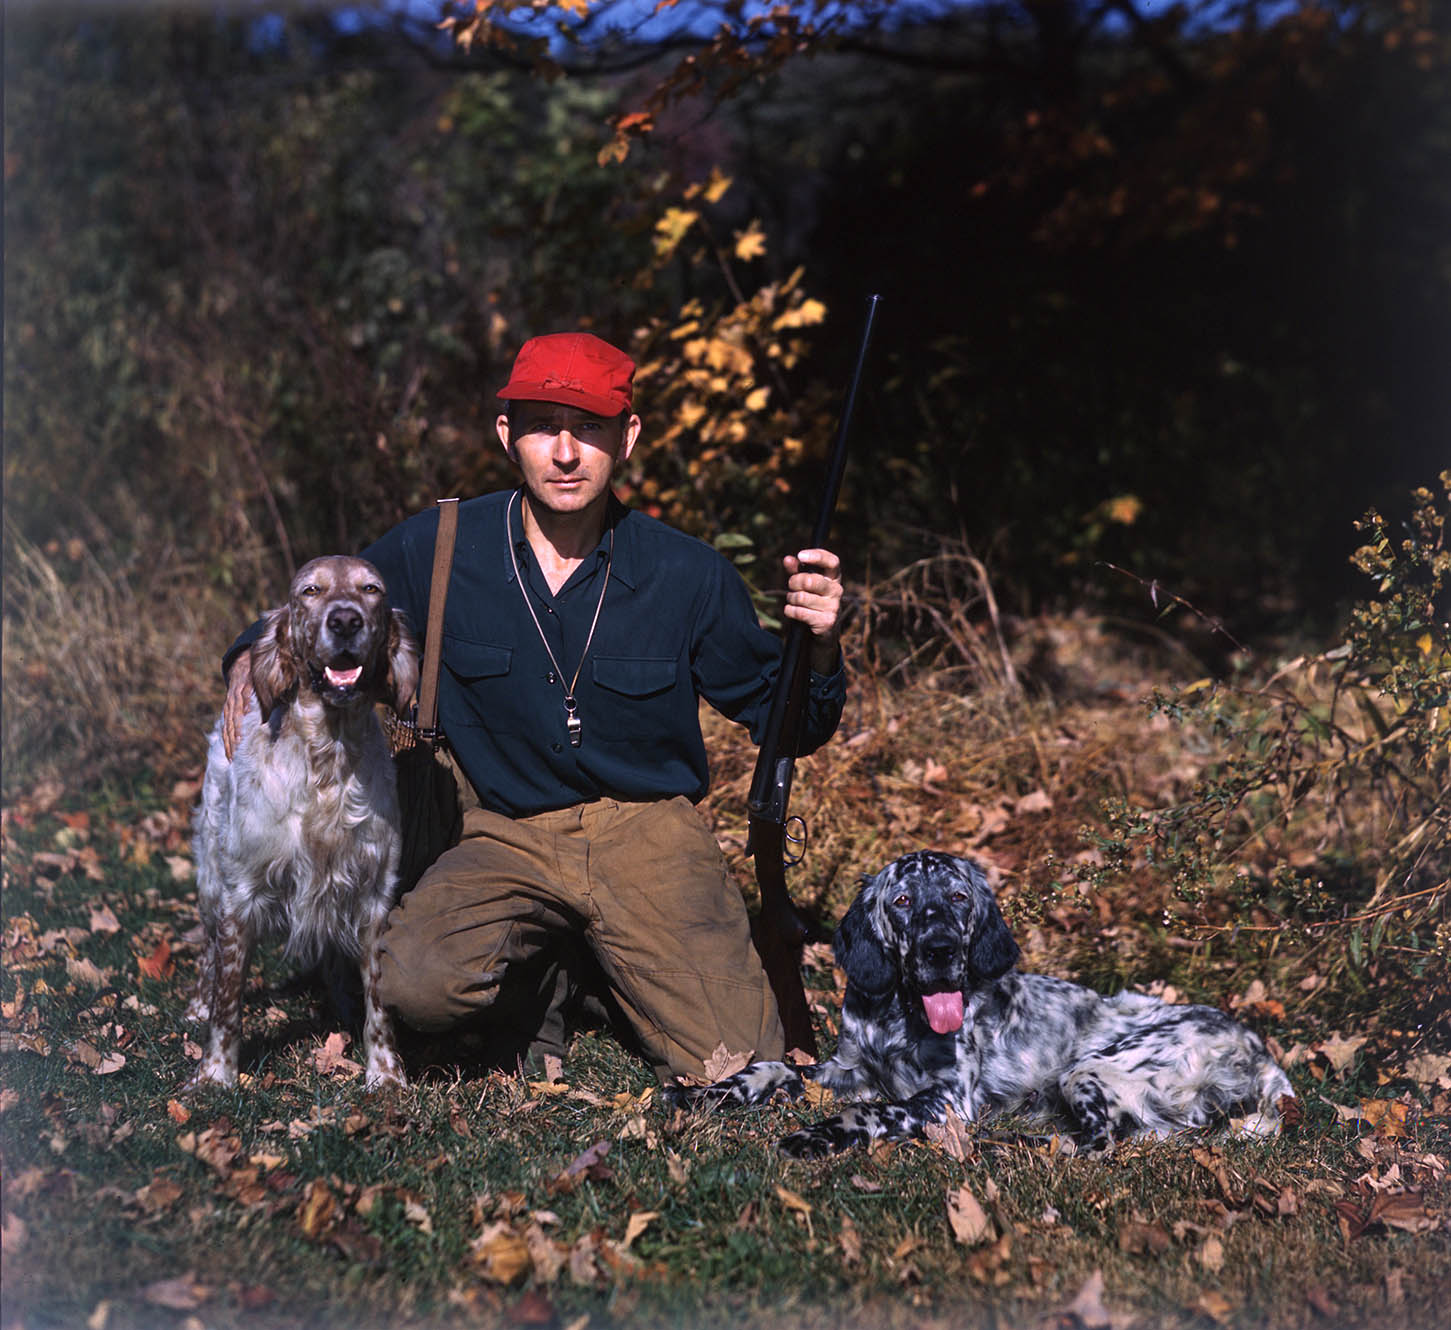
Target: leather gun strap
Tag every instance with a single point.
(437, 597)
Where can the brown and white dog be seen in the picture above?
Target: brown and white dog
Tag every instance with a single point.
(298, 832)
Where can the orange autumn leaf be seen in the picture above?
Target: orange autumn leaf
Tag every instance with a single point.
(158, 965)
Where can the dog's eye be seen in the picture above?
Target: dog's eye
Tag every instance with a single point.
(372, 589)
(903, 899)
(311, 589)
(959, 895)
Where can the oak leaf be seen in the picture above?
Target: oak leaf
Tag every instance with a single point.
(969, 1221)
(723, 1062)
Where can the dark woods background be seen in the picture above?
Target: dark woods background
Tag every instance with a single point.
(1163, 287)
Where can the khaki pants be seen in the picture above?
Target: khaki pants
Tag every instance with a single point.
(639, 891)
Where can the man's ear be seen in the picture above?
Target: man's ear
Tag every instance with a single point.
(631, 436)
(506, 436)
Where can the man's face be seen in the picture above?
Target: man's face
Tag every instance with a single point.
(566, 455)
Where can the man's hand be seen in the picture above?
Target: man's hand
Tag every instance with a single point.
(239, 697)
(813, 595)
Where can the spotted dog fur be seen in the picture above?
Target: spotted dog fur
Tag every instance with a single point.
(936, 1018)
(297, 832)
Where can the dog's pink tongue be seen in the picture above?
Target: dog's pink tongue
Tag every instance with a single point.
(944, 1011)
(342, 678)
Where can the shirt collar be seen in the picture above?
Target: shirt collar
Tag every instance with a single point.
(625, 556)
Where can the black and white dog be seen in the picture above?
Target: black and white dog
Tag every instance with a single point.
(936, 1018)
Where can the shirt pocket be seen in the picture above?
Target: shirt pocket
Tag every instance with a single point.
(468, 661)
(638, 677)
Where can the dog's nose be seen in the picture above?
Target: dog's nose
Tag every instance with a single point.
(344, 621)
(939, 950)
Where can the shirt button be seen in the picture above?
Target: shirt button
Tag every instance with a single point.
(556, 748)
(551, 677)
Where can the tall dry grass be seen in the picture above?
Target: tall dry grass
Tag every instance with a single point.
(110, 673)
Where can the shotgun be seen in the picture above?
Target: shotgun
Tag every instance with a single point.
(780, 932)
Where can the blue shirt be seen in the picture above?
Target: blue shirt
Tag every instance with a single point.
(676, 624)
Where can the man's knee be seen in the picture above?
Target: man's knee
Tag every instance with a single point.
(428, 988)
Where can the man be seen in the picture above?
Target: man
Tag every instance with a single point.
(578, 638)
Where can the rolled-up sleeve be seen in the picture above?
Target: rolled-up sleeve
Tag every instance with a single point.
(736, 663)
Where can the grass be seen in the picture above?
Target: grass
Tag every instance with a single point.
(492, 1197)
(299, 1200)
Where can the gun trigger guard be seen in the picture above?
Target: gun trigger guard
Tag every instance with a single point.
(793, 838)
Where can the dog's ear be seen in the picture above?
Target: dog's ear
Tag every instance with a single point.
(992, 951)
(402, 663)
(274, 669)
(860, 951)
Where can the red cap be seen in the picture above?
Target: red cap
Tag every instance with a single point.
(574, 369)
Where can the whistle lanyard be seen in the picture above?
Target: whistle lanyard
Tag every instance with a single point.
(572, 722)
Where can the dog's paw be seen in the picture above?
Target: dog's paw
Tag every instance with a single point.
(814, 1142)
(209, 1075)
(382, 1076)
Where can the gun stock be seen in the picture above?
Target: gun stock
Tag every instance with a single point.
(780, 932)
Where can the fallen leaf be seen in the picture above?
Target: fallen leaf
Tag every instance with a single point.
(850, 1242)
(317, 1209)
(1214, 1305)
(356, 1244)
(501, 1255)
(159, 964)
(951, 1136)
(796, 1205)
(1139, 1238)
(1088, 1305)
(1430, 1069)
(968, 1220)
(723, 1063)
(1387, 1117)
(159, 1194)
(1339, 1052)
(86, 1054)
(639, 1222)
(103, 920)
(1036, 802)
(416, 1213)
(1404, 1210)
(254, 1297)
(588, 1164)
(329, 1060)
(1211, 1254)
(83, 971)
(182, 1294)
(533, 1308)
